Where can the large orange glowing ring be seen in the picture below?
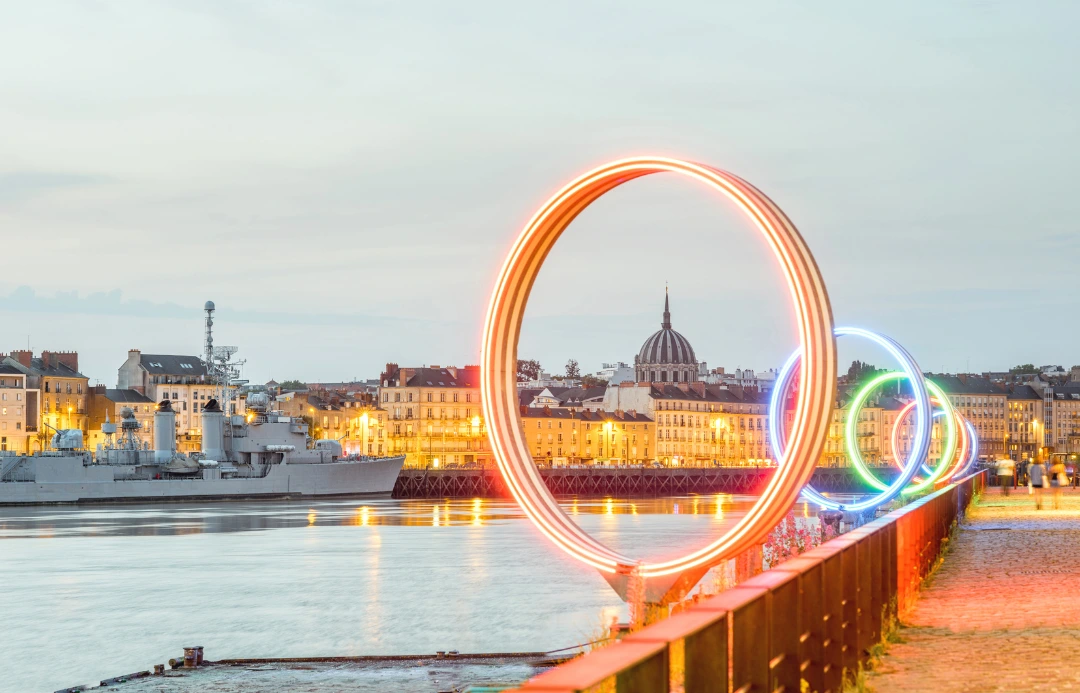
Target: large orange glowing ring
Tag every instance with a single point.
(499, 364)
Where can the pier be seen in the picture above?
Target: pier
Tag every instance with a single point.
(620, 481)
(810, 623)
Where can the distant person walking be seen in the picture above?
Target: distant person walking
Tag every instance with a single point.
(1038, 476)
(1005, 470)
(1058, 481)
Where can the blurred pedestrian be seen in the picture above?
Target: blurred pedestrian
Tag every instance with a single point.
(1005, 470)
(1038, 476)
(1058, 481)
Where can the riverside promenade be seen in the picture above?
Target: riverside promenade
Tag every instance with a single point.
(1001, 612)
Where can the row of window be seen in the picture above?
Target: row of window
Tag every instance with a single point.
(429, 395)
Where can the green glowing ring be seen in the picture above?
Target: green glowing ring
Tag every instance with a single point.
(948, 452)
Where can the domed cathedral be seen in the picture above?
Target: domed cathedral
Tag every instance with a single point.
(666, 356)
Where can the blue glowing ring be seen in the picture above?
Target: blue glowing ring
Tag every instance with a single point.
(923, 412)
(973, 452)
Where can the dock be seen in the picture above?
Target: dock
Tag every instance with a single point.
(621, 482)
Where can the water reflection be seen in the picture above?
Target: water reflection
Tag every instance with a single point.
(181, 519)
(371, 576)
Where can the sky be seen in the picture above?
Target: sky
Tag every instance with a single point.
(344, 178)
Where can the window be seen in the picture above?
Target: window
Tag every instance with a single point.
(429, 399)
(455, 396)
(186, 365)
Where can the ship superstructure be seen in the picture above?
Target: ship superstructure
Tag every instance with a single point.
(261, 454)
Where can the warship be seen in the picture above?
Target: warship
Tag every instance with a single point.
(261, 453)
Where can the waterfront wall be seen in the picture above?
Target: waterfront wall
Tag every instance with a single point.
(812, 619)
(620, 481)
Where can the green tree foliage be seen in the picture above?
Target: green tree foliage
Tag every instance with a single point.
(292, 385)
(860, 371)
(528, 370)
(1024, 369)
(572, 369)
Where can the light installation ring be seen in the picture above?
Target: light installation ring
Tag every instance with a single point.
(960, 455)
(947, 452)
(922, 437)
(502, 328)
(972, 451)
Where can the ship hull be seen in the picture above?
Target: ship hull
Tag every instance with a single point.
(67, 480)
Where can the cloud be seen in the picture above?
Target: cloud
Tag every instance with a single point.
(19, 186)
(112, 303)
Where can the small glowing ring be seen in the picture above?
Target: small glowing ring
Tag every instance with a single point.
(950, 434)
(961, 455)
(973, 449)
(502, 329)
(911, 368)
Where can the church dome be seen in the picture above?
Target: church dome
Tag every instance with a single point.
(666, 356)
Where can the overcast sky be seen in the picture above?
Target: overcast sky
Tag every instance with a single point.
(343, 178)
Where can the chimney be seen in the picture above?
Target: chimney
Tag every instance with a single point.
(23, 357)
(98, 390)
(524, 410)
(547, 410)
(452, 370)
(698, 387)
(67, 358)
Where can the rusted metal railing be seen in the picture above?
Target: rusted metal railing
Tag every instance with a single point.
(814, 618)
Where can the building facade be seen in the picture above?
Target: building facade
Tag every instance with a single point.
(434, 416)
(61, 392)
(698, 424)
(558, 437)
(18, 412)
(181, 379)
(1023, 412)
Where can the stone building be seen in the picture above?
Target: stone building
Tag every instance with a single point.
(433, 415)
(18, 411)
(181, 379)
(63, 390)
(559, 437)
(698, 424)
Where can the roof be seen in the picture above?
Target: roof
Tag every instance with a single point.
(8, 369)
(58, 370)
(127, 396)
(469, 376)
(966, 384)
(1023, 392)
(708, 393)
(666, 346)
(171, 364)
(583, 415)
(577, 395)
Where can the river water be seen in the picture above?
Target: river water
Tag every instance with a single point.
(93, 592)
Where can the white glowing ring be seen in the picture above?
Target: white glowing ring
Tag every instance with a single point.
(499, 364)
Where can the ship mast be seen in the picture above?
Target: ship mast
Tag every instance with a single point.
(221, 370)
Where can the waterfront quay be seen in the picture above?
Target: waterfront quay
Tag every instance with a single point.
(622, 482)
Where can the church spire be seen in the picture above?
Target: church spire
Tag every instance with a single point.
(667, 312)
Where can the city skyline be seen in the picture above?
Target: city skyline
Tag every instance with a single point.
(347, 199)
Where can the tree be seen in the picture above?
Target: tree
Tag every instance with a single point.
(572, 369)
(528, 370)
(860, 371)
(588, 381)
(293, 385)
(1024, 369)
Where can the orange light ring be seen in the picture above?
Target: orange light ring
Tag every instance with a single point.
(502, 329)
(965, 440)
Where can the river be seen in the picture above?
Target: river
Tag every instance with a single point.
(98, 591)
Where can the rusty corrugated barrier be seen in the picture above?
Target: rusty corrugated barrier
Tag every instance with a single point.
(811, 618)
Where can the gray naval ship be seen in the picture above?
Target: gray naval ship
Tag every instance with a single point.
(259, 456)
